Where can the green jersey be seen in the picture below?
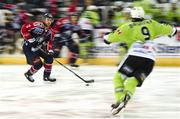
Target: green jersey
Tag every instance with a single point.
(139, 31)
(92, 15)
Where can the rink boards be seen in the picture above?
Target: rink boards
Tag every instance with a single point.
(164, 61)
(168, 52)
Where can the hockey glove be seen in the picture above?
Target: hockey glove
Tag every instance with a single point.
(114, 28)
(107, 42)
(173, 33)
(31, 42)
(106, 39)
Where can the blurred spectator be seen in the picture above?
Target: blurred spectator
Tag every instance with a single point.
(163, 1)
(173, 14)
(117, 14)
(92, 14)
(88, 20)
(110, 16)
(126, 15)
(19, 13)
(7, 37)
(148, 7)
(52, 6)
(72, 7)
(101, 2)
(86, 4)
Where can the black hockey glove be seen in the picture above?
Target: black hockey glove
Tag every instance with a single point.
(106, 38)
(107, 42)
(114, 28)
(31, 42)
(174, 32)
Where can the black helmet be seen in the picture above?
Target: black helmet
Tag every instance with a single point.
(48, 15)
(48, 19)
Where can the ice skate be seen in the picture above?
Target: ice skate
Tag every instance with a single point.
(117, 107)
(29, 76)
(50, 79)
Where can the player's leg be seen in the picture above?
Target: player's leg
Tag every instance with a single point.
(118, 86)
(57, 46)
(126, 70)
(119, 92)
(90, 43)
(136, 69)
(130, 85)
(48, 60)
(34, 60)
(73, 53)
(122, 98)
(86, 44)
(83, 50)
(37, 64)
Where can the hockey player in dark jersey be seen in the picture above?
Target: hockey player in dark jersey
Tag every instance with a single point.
(38, 44)
(63, 29)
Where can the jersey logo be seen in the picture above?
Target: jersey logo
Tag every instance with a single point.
(38, 24)
(119, 31)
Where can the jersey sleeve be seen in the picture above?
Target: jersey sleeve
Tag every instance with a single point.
(49, 38)
(162, 29)
(119, 35)
(25, 32)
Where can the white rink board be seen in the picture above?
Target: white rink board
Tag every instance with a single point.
(69, 98)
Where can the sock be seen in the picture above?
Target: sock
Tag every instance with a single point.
(130, 85)
(47, 70)
(32, 70)
(119, 87)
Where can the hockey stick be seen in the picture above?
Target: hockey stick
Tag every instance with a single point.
(86, 81)
(89, 36)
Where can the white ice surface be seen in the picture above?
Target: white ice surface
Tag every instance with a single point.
(69, 98)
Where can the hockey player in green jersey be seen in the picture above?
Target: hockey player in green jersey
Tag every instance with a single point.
(140, 58)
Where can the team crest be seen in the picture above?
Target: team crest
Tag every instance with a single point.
(119, 31)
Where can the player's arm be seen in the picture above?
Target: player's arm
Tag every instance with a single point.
(173, 32)
(119, 35)
(164, 29)
(32, 33)
(49, 37)
(25, 31)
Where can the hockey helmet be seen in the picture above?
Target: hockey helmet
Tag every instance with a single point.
(48, 19)
(137, 12)
(48, 15)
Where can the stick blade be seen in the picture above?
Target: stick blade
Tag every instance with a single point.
(90, 81)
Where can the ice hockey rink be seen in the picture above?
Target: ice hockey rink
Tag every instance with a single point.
(69, 98)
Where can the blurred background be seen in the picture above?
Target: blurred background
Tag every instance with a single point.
(105, 15)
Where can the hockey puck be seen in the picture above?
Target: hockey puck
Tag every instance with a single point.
(87, 84)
